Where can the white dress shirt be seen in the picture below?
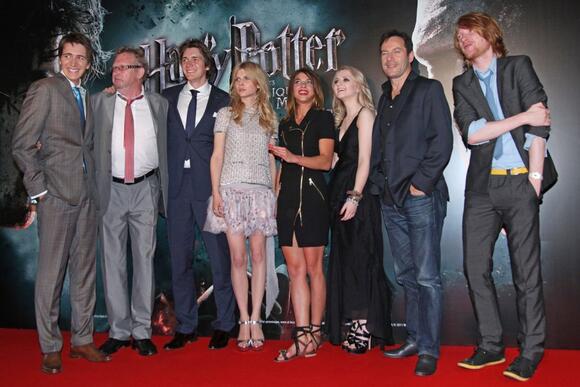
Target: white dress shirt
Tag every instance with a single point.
(183, 104)
(145, 151)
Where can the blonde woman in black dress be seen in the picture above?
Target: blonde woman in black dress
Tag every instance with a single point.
(357, 286)
(306, 148)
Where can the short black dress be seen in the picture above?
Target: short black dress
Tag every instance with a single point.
(303, 198)
(357, 284)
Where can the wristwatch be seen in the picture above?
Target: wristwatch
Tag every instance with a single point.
(536, 175)
(32, 201)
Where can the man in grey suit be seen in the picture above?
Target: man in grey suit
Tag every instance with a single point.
(500, 108)
(131, 165)
(59, 176)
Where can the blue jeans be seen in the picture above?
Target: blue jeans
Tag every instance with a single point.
(414, 232)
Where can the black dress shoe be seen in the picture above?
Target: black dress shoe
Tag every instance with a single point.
(144, 347)
(113, 345)
(426, 365)
(180, 339)
(219, 339)
(482, 358)
(521, 369)
(405, 350)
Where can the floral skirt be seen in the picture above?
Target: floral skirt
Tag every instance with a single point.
(247, 208)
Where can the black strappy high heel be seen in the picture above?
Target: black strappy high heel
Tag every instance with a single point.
(361, 341)
(350, 335)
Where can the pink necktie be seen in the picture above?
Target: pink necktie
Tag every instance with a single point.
(129, 141)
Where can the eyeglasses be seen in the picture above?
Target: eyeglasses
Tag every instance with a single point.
(124, 67)
(305, 82)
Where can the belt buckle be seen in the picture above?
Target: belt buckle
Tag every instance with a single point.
(518, 171)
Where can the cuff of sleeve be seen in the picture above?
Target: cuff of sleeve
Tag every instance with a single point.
(530, 139)
(474, 126)
(39, 195)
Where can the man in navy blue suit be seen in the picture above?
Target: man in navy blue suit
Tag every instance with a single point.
(190, 121)
(412, 143)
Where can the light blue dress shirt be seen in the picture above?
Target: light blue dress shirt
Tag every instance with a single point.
(510, 157)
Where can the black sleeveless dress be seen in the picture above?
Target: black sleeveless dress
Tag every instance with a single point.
(357, 284)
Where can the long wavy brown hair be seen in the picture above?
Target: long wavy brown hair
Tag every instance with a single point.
(484, 25)
(318, 94)
(256, 74)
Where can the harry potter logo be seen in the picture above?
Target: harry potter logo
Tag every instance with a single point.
(287, 52)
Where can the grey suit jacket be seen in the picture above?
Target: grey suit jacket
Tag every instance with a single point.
(50, 115)
(103, 112)
(518, 88)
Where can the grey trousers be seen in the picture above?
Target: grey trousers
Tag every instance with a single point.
(68, 236)
(132, 212)
(511, 202)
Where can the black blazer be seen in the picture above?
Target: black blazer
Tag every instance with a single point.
(518, 88)
(418, 144)
(201, 143)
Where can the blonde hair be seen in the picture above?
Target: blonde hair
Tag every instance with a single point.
(318, 102)
(260, 79)
(364, 97)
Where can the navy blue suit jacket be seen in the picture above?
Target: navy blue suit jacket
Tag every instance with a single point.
(418, 144)
(201, 143)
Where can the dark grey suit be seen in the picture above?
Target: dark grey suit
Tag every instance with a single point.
(492, 202)
(129, 210)
(64, 167)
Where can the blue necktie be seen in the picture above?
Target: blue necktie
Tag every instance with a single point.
(190, 123)
(79, 99)
(498, 150)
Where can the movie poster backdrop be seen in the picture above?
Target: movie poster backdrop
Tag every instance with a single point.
(282, 36)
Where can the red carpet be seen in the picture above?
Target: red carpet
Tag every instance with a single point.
(198, 366)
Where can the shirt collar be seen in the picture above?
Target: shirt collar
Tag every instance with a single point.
(492, 68)
(387, 85)
(72, 84)
(125, 98)
(203, 90)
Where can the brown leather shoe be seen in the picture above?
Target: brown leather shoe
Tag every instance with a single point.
(89, 352)
(51, 363)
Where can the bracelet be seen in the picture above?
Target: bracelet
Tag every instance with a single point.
(355, 194)
(536, 176)
(353, 200)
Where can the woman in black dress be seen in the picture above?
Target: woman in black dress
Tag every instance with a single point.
(357, 286)
(306, 147)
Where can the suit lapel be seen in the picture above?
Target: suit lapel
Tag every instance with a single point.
(68, 94)
(403, 96)
(503, 89)
(474, 88)
(154, 112)
(173, 110)
(500, 82)
(109, 104)
(208, 109)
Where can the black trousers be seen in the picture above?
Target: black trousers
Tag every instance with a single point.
(511, 202)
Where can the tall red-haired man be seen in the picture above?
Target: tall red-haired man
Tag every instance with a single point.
(501, 111)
